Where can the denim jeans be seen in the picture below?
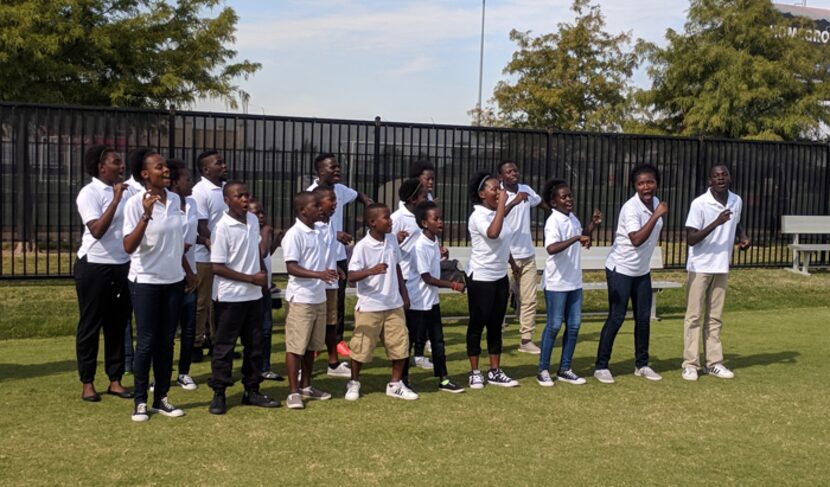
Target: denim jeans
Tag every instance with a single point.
(562, 306)
(621, 288)
(187, 322)
(267, 325)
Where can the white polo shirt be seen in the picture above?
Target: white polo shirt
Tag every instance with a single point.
(190, 224)
(236, 245)
(427, 261)
(624, 257)
(521, 245)
(403, 219)
(211, 205)
(713, 254)
(563, 271)
(381, 292)
(305, 246)
(344, 195)
(133, 187)
(329, 239)
(489, 256)
(158, 258)
(92, 201)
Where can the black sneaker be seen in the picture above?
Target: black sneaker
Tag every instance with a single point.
(447, 385)
(256, 398)
(497, 377)
(164, 408)
(218, 405)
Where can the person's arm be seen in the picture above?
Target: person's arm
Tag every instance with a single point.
(402, 287)
(521, 196)
(189, 276)
(557, 247)
(696, 235)
(265, 241)
(258, 279)
(364, 198)
(296, 270)
(276, 241)
(743, 239)
(133, 239)
(203, 233)
(99, 226)
(360, 274)
(639, 237)
(494, 230)
(596, 219)
(432, 281)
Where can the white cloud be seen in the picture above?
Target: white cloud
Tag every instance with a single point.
(418, 64)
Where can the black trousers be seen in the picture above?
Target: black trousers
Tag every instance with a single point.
(487, 301)
(235, 320)
(341, 299)
(430, 321)
(621, 289)
(104, 303)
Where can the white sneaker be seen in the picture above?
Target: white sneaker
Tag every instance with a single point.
(400, 391)
(718, 370)
(604, 376)
(424, 363)
(476, 380)
(140, 413)
(186, 382)
(342, 370)
(353, 390)
(647, 372)
(689, 373)
(544, 380)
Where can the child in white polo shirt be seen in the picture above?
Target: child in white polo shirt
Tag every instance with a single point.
(305, 257)
(237, 293)
(381, 300)
(714, 220)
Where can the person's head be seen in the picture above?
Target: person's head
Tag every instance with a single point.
(720, 178)
(508, 172)
(412, 192)
(484, 189)
(429, 217)
(328, 200)
(255, 207)
(237, 198)
(644, 179)
(328, 169)
(212, 166)
(181, 182)
(425, 172)
(102, 162)
(307, 207)
(558, 195)
(379, 218)
(149, 168)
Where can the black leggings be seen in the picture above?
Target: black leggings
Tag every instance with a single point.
(487, 301)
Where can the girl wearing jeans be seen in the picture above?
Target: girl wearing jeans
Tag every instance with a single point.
(562, 279)
(628, 272)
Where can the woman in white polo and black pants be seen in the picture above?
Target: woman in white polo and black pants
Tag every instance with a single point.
(487, 283)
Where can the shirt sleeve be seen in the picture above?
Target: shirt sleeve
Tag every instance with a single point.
(739, 210)
(291, 251)
(695, 218)
(479, 224)
(345, 194)
(422, 259)
(356, 263)
(132, 214)
(533, 199)
(219, 245)
(629, 220)
(202, 211)
(89, 207)
(552, 233)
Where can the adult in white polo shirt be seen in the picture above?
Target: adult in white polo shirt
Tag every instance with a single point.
(101, 272)
(487, 283)
(153, 235)
(520, 200)
(237, 291)
(714, 220)
(211, 206)
(628, 272)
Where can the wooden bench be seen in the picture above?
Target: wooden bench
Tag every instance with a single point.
(805, 225)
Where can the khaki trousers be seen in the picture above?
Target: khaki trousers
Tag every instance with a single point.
(705, 295)
(204, 302)
(523, 284)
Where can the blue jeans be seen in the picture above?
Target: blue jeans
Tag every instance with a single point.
(187, 321)
(621, 288)
(562, 306)
(267, 324)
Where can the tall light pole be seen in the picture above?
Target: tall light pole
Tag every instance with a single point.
(480, 65)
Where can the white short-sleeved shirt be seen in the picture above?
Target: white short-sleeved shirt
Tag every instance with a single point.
(158, 258)
(133, 187)
(329, 239)
(521, 245)
(489, 256)
(403, 219)
(305, 246)
(427, 261)
(236, 245)
(344, 195)
(381, 292)
(211, 205)
(92, 201)
(190, 224)
(624, 257)
(563, 271)
(712, 254)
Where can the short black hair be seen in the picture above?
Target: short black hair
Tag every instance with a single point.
(136, 160)
(371, 209)
(504, 163)
(176, 167)
(227, 188)
(422, 210)
(712, 169)
(409, 189)
(642, 169)
(551, 187)
(419, 166)
(200, 159)
(319, 190)
(301, 199)
(476, 183)
(94, 156)
(318, 161)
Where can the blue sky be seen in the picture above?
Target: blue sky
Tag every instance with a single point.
(405, 60)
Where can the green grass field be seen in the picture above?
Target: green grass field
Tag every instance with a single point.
(767, 426)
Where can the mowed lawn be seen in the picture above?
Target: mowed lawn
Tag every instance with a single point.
(767, 426)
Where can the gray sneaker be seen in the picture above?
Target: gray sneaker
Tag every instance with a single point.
(648, 373)
(315, 394)
(604, 376)
(295, 401)
(530, 348)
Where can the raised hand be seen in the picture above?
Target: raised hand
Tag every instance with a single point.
(596, 218)
(402, 236)
(662, 209)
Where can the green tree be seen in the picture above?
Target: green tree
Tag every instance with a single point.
(137, 53)
(734, 73)
(574, 79)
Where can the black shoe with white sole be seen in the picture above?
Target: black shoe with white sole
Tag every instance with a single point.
(164, 408)
(256, 398)
(447, 385)
(497, 377)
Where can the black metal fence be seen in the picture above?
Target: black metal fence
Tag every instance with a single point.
(41, 172)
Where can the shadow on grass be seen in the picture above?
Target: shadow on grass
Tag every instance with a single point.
(28, 371)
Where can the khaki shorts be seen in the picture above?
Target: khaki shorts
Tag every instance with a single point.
(389, 326)
(305, 327)
(331, 307)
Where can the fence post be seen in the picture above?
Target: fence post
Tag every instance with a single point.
(378, 163)
(171, 132)
(548, 157)
(22, 188)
